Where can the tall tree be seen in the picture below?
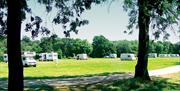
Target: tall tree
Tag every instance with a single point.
(160, 14)
(15, 80)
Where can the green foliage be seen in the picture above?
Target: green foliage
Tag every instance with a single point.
(102, 47)
(163, 13)
(69, 12)
(67, 47)
(125, 46)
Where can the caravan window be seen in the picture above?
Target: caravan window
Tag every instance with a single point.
(50, 55)
(129, 56)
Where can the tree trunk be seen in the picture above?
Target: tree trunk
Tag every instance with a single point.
(141, 70)
(15, 80)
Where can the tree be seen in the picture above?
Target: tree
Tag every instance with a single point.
(15, 80)
(177, 48)
(46, 45)
(102, 47)
(160, 14)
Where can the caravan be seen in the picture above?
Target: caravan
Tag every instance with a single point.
(163, 55)
(113, 55)
(48, 56)
(152, 55)
(82, 57)
(127, 56)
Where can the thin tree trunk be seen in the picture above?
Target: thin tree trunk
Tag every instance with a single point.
(15, 80)
(141, 70)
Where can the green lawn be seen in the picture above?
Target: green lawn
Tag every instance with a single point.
(72, 67)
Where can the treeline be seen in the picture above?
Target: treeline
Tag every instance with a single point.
(101, 46)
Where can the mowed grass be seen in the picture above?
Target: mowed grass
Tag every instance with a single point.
(72, 67)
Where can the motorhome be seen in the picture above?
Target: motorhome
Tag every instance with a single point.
(152, 55)
(82, 57)
(28, 59)
(48, 56)
(127, 56)
(113, 55)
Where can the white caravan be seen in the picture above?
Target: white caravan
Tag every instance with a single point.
(113, 55)
(152, 55)
(174, 55)
(82, 57)
(164, 55)
(48, 56)
(127, 56)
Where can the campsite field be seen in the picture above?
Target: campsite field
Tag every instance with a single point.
(72, 67)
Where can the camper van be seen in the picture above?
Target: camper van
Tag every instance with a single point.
(82, 57)
(48, 56)
(113, 55)
(152, 55)
(127, 56)
(27, 58)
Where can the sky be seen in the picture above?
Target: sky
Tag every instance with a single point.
(107, 20)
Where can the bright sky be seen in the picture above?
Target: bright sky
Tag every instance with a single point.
(109, 24)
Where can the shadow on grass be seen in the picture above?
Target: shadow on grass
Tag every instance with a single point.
(67, 76)
(157, 84)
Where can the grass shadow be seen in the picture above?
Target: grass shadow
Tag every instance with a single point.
(76, 76)
(68, 76)
(157, 84)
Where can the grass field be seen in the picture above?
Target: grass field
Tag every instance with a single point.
(72, 67)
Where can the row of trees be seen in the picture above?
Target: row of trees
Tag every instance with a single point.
(101, 46)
